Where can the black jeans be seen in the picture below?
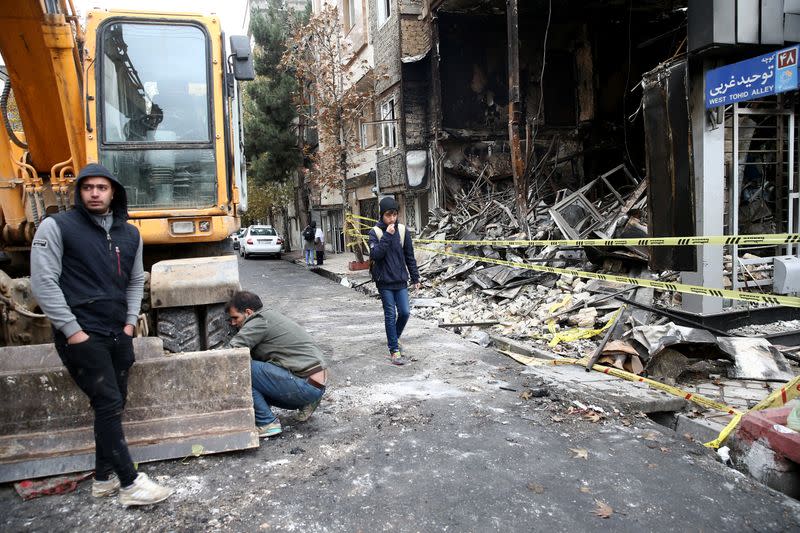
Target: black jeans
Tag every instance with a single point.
(100, 367)
(320, 256)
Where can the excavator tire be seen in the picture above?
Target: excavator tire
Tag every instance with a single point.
(179, 328)
(216, 326)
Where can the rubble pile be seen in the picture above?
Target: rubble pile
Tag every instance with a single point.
(565, 314)
(521, 303)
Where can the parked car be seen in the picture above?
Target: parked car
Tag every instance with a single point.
(260, 240)
(235, 237)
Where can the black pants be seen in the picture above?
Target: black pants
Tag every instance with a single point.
(320, 256)
(100, 367)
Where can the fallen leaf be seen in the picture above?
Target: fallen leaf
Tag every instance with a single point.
(584, 489)
(603, 510)
(593, 416)
(580, 453)
(536, 487)
(688, 437)
(197, 450)
(526, 394)
(573, 410)
(556, 418)
(626, 422)
(652, 465)
(652, 435)
(664, 450)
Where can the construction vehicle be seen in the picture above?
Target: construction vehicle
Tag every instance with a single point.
(153, 97)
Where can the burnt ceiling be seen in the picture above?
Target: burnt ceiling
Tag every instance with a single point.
(588, 8)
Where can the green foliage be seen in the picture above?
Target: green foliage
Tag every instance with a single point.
(266, 201)
(271, 143)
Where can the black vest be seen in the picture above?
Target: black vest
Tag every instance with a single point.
(96, 268)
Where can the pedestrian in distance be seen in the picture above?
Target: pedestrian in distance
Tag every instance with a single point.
(392, 254)
(88, 278)
(319, 245)
(287, 368)
(308, 242)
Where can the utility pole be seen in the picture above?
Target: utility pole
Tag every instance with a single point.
(515, 116)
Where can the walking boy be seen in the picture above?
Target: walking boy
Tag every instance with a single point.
(392, 255)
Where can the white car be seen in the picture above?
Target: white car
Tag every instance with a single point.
(260, 240)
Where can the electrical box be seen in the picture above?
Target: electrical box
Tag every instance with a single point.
(726, 22)
(786, 275)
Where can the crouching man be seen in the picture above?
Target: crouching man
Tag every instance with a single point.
(287, 369)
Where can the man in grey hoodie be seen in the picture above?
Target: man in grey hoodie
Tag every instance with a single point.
(88, 278)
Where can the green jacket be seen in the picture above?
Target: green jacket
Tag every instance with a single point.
(274, 338)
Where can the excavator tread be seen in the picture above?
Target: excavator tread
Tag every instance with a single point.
(179, 328)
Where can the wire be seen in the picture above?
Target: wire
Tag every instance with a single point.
(625, 93)
(541, 76)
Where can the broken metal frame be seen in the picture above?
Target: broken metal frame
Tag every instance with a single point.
(579, 197)
(739, 264)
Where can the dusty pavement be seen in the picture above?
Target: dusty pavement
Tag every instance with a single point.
(434, 446)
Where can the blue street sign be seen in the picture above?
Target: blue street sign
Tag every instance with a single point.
(760, 76)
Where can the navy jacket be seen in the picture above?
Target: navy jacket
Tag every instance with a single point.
(392, 263)
(97, 265)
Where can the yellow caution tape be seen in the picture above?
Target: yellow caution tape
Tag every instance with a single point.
(742, 240)
(772, 299)
(558, 305)
(778, 398)
(358, 217)
(572, 335)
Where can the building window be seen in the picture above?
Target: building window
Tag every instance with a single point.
(388, 125)
(367, 124)
(349, 14)
(384, 11)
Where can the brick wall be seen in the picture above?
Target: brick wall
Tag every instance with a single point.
(415, 35)
(392, 171)
(415, 114)
(386, 46)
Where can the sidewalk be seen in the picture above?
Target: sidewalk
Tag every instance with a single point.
(613, 393)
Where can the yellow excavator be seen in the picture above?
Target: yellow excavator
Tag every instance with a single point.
(154, 98)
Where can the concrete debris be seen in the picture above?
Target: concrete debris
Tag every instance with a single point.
(547, 310)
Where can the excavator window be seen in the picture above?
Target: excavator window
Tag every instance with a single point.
(155, 113)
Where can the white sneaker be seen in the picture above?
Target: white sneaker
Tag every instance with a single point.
(143, 492)
(109, 487)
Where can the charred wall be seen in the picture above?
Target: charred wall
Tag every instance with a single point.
(474, 75)
(578, 81)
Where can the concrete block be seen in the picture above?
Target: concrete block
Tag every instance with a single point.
(702, 429)
(761, 462)
(760, 426)
(174, 402)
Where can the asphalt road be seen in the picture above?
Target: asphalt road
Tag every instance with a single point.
(433, 446)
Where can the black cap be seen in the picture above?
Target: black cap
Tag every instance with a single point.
(387, 204)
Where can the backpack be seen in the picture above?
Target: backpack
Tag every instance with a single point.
(379, 233)
(308, 234)
(400, 227)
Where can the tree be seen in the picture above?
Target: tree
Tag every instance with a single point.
(330, 98)
(271, 141)
(265, 201)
